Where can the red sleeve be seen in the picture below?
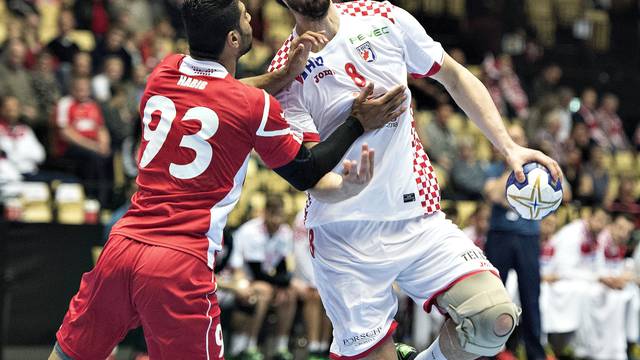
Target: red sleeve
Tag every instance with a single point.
(274, 141)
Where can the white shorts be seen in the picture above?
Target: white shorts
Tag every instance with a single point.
(356, 262)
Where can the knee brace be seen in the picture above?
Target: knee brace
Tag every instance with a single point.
(477, 305)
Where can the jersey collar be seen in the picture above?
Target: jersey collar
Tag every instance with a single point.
(193, 67)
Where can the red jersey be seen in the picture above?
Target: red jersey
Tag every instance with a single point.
(84, 117)
(199, 127)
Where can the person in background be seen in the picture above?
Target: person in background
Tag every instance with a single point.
(15, 80)
(84, 139)
(565, 96)
(113, 45)
(439, 139)
(514, 243)
(593, 181)
(547, 139)
(63, 47)
(112, 75)
(467, 173)
(317, 323)
(261, 248)
(546, 85)
(587, 114)
(611, 125)
(479, 225)
(612, 298)
(626, 201)
(46, 85)
(18, 143)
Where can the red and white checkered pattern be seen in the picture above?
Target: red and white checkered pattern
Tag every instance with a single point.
(354, 8)
(367, 8)
(426, 180)
(282, 56)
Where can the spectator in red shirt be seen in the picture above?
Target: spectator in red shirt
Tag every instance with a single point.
(84, 138)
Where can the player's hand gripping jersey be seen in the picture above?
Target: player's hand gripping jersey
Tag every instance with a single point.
(195, 149)
(380, 43)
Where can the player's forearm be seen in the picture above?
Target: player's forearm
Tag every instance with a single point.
(472, 97)
(272, 82)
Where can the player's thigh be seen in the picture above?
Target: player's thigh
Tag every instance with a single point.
(174, 294)
(358, 298)
(100, 314)
(444, 255)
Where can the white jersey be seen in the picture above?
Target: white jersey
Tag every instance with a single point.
(252, 243)
(381, 43)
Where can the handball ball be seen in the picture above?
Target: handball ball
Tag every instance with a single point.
(538, 196)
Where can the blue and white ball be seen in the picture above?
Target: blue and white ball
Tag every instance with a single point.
(538, 196)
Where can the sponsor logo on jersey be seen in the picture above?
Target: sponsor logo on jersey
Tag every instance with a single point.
(376, 32)
(186, 81)
(323, 74)
(366, 52)
(409, 197)
(363, 338)
(312, 64)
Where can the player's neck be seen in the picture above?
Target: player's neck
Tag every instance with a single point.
(329, 24)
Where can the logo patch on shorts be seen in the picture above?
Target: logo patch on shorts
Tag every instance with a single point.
(409, 198)
(364, 338)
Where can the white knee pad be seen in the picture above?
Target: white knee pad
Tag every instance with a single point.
(475, 305)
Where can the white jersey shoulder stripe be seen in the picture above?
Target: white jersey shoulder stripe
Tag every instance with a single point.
(265, 118)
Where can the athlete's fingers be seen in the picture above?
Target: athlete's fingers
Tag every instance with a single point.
(319, 36)
(519, 172)
(395, 114)
(363, 172)
(551, 164)
(395, 103)
(307, 38)
(365, 92)
(346, 168)
(372, 154)
(395, 93)
(297, 51)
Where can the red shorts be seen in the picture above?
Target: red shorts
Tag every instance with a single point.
(170, 293)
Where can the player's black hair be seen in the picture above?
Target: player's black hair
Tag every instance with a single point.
(281, 3)
(310, 8)
(207, 23)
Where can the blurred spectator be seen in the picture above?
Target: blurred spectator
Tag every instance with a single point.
(613, 300)
(15, 80)
(587, 115)
(626, 200)
(81, 67)
(118, 116)
(504, 87)
(113, 45)
(593, 179)
(438, 139)
(546, 84)
(514, 243)
(45, 84)
(565, 96)
(566, 270)
(610, 124)
(18, 143)
(111, 75)
(548, 138)
(467, 173)
(63, 48)
(479, 225)
(93, 15)
(85, 140)
(318, 325)
(581, 140)
(261, 248)
(157, 43)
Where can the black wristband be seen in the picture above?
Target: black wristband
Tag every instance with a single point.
(310, 166)
(355, 124)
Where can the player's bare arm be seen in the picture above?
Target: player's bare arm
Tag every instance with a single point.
(472, 96)
(277, 80)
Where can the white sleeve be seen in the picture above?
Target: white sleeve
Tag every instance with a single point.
(32, 148)
(62, 111)
(297, 113)
(422, 54)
